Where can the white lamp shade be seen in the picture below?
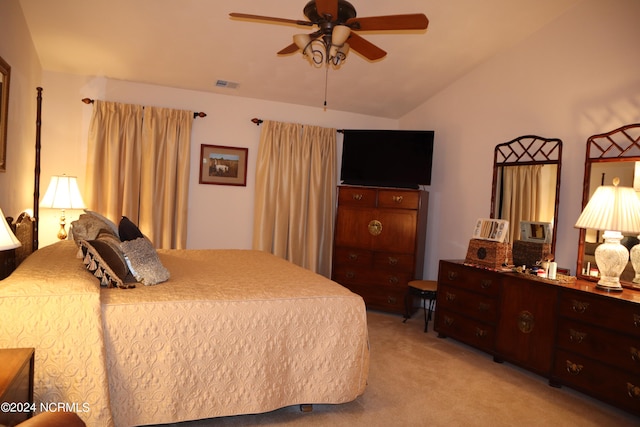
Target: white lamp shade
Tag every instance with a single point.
(63, 193)
(8, 240)
(612, 208)
(340, 35)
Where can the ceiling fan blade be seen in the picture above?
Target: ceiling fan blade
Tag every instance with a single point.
(289, 49)
(413, 21)
(365, 48)
(271, 19)
(327, 7)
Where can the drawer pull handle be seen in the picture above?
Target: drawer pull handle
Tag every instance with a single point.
(391, 300)
(350, 274)
(397, 199)
(450, 297)
(483, 306)
(393, 280)
(574, 368)
(526, 322)
(375, 227)
(633, 391)
(481, 333)
(353, 257)
(576, 337)
(485, 284)
(357, 197)
(579, 307)
(636, 320)
(453, 275)
(448, 320)
(393, 260)
(635, 354)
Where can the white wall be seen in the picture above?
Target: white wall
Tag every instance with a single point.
(576, 77)
(219, 216)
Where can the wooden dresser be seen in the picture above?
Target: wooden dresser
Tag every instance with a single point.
(16, 385)
(573, 334)
(379, 243)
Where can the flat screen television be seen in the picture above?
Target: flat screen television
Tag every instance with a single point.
(387, 158)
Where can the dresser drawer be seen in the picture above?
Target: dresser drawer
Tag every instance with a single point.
(357, 196)
(469, 278)
(470, 331)
(394, 261)
(352, 257)
(385, 298)
(348, 275)
(609, 384)
(600, 344)
(399, 199)
(477, 306)
(619, 315)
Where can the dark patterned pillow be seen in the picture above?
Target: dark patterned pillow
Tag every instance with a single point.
(143, 261)
(128, 230)
(105, 260)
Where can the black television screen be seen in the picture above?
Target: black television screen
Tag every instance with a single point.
(387, 158)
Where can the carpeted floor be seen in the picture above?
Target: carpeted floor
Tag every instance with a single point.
(417, 379)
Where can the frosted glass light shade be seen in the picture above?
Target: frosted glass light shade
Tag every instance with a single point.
(340, 35)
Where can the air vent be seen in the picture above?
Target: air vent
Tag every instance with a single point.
(226, 84)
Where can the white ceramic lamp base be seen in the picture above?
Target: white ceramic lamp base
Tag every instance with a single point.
(611, 258)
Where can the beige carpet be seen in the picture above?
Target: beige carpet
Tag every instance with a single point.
(417, 379)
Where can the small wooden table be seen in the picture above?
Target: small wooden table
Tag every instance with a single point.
(16, 385)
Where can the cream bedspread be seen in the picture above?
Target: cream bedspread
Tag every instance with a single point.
(232, 332)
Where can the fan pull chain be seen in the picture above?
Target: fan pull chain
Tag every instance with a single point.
(326, 83)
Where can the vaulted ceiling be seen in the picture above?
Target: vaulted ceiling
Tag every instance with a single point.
(191, 44)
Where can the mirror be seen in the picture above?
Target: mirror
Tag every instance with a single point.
(609, 155)
(5, 74)
(526, 183)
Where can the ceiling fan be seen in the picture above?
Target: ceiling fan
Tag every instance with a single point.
(337, 30)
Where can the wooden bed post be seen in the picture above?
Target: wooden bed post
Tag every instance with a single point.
(36, 181)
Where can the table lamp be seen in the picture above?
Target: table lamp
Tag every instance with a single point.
(614, 210)
(8, 244)
(62, 193)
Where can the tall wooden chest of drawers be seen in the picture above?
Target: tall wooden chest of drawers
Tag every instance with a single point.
(379, 243)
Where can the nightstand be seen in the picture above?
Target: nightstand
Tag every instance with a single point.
(16, 385)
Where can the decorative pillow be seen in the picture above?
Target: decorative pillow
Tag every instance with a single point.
(112, 226)
(87, 227)
(128, 230)
(143, 261)
(105, 260)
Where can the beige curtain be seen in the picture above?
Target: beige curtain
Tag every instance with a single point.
(164, 190)
(138, 166)
(113, 159)
(521, 196)
(295, 194)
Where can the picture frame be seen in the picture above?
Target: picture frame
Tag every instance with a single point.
(223, 165)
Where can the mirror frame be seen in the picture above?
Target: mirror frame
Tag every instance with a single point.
(614, 146)
(529, 150)
(5, 70)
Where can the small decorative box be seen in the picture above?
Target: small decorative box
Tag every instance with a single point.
(487, 253)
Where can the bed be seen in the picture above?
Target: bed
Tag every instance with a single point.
(230, 332)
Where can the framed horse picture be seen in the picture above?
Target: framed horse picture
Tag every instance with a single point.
(223, 165)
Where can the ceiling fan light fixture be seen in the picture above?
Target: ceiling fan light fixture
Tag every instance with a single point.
(302, 41)
(340, 34)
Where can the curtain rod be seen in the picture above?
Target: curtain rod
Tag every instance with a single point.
(258, 122)
(195, 114)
